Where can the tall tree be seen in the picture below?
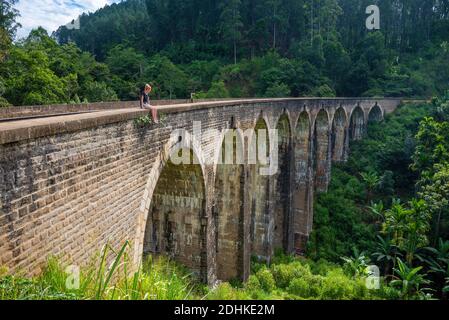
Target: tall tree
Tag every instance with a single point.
(8, 25)
(8, 15)
(231, 23)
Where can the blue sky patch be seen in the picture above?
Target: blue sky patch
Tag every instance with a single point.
(51, 14)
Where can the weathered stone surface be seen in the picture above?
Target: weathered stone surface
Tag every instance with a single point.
(70, 184)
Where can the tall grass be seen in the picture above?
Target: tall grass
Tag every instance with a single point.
(110, 278)
(157, 279)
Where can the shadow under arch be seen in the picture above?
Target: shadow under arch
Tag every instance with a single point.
(339, 134)
(357, 124)
(375, 114)
(171, 217)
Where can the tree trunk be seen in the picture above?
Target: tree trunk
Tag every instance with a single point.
(235, 52)
(437, 228)
(274, 27)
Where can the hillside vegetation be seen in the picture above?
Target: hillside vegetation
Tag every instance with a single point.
(388, 205)
(237, 48)
(161, 279)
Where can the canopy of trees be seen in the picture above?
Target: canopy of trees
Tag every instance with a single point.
(278, 47)
(238, 48)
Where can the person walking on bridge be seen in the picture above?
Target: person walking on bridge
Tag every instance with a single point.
(145, 102)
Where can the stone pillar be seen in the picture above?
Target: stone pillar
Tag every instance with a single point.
(282, 187)
(229, 220)
(208, 232)
(321, 152)
(302, 184)
(339, 135)
(247, 245)
(261, 204)
(347, 144)
(269, 219)
(291, 214)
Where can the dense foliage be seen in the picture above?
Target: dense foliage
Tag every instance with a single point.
(8, 27)
(232, 48)
(289, 278)
(39, 71)
(313, 47)
(161, 279)
(405, 157)
(157, 280)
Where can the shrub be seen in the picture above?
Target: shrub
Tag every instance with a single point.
(4, 103)
(306, 287)
(337, 286)
(285, 273)
(266, 279)
(218, 90)
(278, 90)
(226, 292)
(253, 284)
(323, 91)
(322, 267)
(281, 258)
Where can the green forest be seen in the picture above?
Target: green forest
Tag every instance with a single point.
(222, 48)
(388, 205)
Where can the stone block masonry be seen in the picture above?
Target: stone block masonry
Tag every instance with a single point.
(72, 183)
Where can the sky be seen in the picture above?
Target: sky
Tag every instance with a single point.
(51, 14)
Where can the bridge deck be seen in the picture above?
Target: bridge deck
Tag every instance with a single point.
(28, 125)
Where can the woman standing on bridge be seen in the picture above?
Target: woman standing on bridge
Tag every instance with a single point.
(145, 102)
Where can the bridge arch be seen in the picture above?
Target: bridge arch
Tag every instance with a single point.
(285, 116)
(357, 124)
(339, 126)
(302, 190)
(375, 114)
(171, 219)
(282, 184)
(321, 157)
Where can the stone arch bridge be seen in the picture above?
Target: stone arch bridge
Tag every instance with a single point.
(71, 183)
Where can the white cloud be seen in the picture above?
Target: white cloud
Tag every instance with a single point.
(51, 14)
